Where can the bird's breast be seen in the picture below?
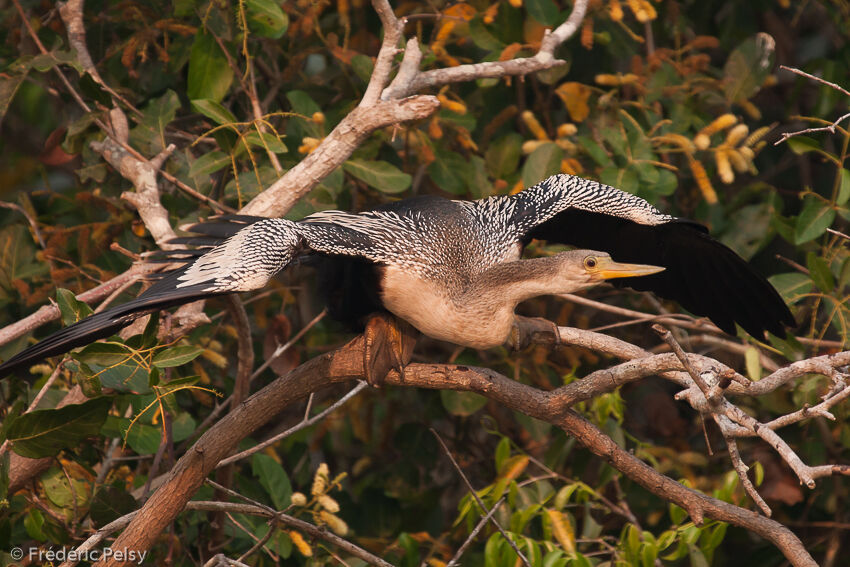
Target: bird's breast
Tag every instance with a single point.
(444, 312)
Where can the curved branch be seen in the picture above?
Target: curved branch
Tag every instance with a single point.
(346, 364)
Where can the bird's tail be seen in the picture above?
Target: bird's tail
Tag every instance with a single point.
(168, 291)
(161, 295)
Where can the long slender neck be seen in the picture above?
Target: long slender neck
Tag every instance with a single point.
(513, 282)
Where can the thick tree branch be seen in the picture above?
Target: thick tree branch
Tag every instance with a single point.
(347, 364)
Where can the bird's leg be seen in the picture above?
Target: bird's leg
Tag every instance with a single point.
(532, 330)
(389, 343)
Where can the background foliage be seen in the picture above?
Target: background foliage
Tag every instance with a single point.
(679, 102)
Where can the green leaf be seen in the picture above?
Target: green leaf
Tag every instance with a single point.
(482, 37)
(65, 491)
(142, 438)
(210, 76)
(751, 229)
(266, 141)
(110, 503)
(447, 171)
(381, 175)
(43, 433)
(791, 286)
(9, 84)
(103, 354)
(214, 111)
(462, 403)
(159, 112)
(813, 220)
(544, 161)
(752, 363)
(843, 187)
(544, 11)
(302, 103)
(502, 156)
(802, 144)
(47, 61)
(70, 307)
(362, 66)
(748, 66)
(209, 163)
(266, 19)
(273, 478)
(503, 451)
(820, 273)
(176, 355)
(92, 89)
(596, 152)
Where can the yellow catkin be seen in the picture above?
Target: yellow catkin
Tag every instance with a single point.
(491, 13)
(320, 481)
(748, 153)
(318, 117)
(615, 11)
(530, 145)
(702, 141)
(308, 144)
(677, 140)
(453, 105)
(533, 125)
(335, 523)
(515, 3)
(757, 135)
(720, 123)
(567, 129)
(751, 109)
(301, 544)
(643, 10)
(607, 80)
(736, 134)
(704, 184)
(587, 34)
(724, 168)
(567, 146)
(328, 503)
(298, 499)
(216, 358)
(571, 166)
(466, 141)
(518, 186)
(434, 128)
(739, 163)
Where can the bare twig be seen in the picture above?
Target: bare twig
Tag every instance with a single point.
(288, 344)
(478, 500)
(830, 127)
(303, 424)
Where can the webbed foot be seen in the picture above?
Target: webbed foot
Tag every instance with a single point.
(532, 330)
(389, 343)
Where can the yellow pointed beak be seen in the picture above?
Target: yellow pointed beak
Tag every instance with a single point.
(607, 269)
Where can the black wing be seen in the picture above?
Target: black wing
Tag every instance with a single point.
(703, 275)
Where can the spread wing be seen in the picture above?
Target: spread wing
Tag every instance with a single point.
(703, 275)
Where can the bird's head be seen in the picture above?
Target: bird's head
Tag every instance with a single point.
(582, 268)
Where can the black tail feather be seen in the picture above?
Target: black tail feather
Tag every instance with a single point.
(161, 295)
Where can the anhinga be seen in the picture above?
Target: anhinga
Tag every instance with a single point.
(452, 269)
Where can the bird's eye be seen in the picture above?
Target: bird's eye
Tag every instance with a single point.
(590, 262)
